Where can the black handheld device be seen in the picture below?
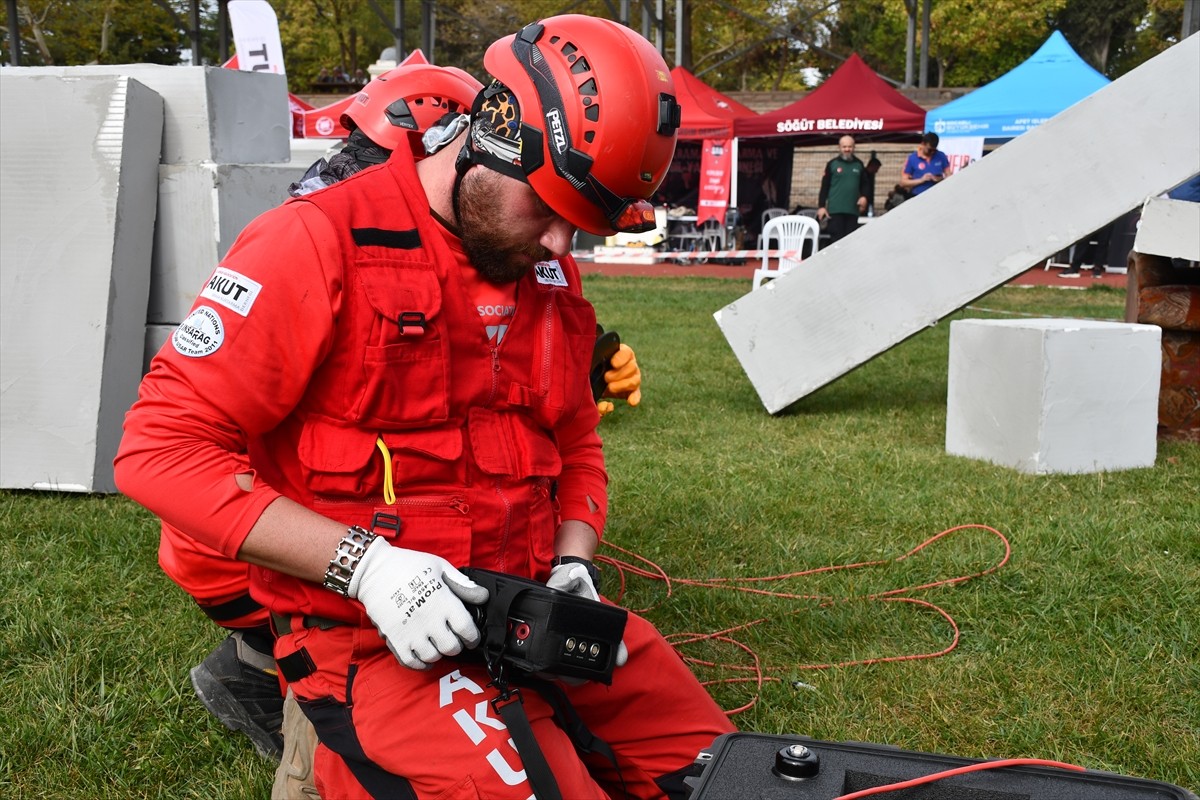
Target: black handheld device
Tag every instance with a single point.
(607, 344)
(532, 629)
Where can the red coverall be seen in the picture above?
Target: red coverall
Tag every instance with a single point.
(339, 321)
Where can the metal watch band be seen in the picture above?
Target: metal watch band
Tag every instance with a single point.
(349, 552)
(593, 571)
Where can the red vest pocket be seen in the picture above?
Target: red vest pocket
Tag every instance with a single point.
(405, 367)
(511, 445)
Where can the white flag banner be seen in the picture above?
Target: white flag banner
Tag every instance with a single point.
(256, 36)
(961, 150)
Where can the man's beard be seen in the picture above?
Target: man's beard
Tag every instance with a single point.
(483, 230)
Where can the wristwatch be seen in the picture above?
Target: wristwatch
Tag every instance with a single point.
(592, 571)
(349, 552)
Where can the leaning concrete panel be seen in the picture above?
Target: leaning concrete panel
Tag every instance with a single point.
(77, 204)
(201, 210)
(227, 116)
(934, 254)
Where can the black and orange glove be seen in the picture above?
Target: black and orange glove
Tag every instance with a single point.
(623, 380)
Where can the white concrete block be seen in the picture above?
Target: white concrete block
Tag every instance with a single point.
(201, 210)
(1054, 395)
(226, 116)
(1169, 228)
(77, 205)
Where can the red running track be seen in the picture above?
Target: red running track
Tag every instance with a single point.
(1036, 276)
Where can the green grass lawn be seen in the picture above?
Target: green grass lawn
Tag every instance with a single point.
(1084, 647)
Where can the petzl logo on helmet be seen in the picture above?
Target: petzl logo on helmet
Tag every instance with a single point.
(558, 133)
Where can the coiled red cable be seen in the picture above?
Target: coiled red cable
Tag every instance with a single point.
(633, 564)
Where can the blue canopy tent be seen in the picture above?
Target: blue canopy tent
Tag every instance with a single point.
(1050, 80)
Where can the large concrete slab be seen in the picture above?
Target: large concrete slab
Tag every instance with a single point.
(78, 178)
(1014, 208)
(201, 210)
(226, 116)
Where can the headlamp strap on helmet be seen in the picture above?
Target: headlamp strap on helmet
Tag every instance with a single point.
(485, 146)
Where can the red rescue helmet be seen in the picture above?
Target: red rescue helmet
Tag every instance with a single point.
(408, 100)
(595, 119)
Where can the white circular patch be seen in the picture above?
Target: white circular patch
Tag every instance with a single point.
(324, 126)
(201, 334)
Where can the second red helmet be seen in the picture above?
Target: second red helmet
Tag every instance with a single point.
(407, 100)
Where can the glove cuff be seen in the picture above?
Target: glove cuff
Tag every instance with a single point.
(592, 571)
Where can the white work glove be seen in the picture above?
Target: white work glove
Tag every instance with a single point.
(416, 601)
(574, 579)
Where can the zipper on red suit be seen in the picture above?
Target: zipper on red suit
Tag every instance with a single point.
(495, 373)
(547, 343)
(455, 503)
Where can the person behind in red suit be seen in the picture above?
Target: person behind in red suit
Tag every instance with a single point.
(347, 421)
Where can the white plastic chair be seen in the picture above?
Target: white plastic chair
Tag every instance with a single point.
(767, 216)
(791, 231)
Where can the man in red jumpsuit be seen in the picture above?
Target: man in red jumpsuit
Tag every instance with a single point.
(426, 106)
(335, 412)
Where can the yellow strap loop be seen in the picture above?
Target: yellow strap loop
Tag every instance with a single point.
(389, 489)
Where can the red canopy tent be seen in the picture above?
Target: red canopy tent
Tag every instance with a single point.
(851, 100)
(705, 112)
(706, 119)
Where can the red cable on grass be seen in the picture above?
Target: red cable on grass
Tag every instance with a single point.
(653, 571)
(937, 776)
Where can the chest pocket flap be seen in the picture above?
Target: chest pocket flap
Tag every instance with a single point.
(406, 361)
(393, 291)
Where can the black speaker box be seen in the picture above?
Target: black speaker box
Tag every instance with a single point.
(752, 766)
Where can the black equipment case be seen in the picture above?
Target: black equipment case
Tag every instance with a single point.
(752, 766)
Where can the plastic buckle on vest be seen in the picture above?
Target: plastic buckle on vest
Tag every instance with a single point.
(388, 522)
(412, 323)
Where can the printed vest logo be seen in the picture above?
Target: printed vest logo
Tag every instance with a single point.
(232, 290)
(549, 273)
(201, 334)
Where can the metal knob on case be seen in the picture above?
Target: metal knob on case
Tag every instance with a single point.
(796, 762)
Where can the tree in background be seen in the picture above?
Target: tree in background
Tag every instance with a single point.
(1098, 29)
(67, 32)
(1114, 36)
(1160, 28)
(972, 43)
(743, 45)
(756, 45)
